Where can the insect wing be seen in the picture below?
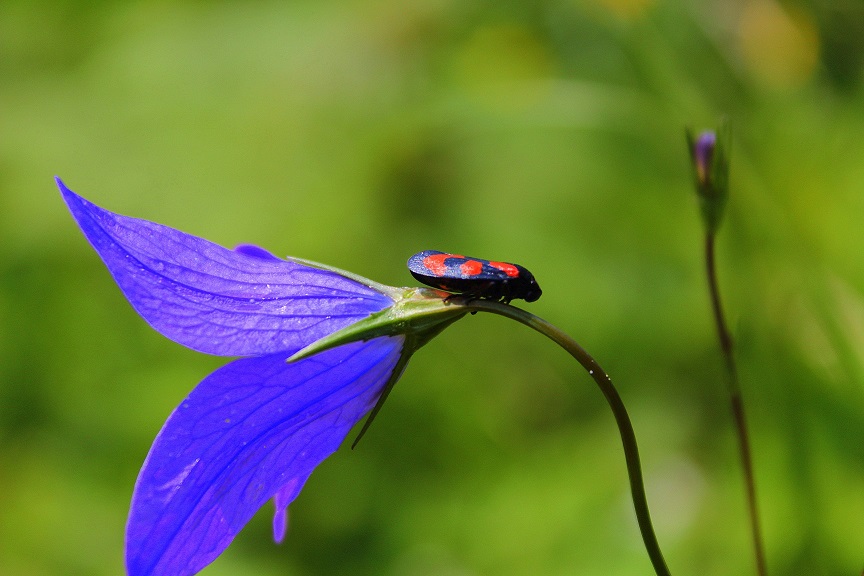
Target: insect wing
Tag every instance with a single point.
(475, 276)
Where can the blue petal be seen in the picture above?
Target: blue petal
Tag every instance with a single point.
(250, 431)
(211, 299)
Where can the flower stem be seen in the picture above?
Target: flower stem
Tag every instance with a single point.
(736, 402)
(628, 437)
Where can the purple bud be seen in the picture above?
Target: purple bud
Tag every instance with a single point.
(703, 155)
(710, 157)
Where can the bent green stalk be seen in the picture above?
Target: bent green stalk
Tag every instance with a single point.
(625, 427)
(418, 314)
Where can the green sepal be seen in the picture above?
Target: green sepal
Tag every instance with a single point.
(418, 314)
(390, 291)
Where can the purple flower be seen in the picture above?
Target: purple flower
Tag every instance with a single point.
(257, 427)
(251, 431)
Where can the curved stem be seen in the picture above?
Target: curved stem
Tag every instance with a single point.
(628, 437)
(736, 401)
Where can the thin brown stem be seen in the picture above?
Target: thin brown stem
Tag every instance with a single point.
(736, 402)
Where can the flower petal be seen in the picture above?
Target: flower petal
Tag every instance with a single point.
(252, 430)
(211, 299)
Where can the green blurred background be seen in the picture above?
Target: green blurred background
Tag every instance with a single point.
(547, 133)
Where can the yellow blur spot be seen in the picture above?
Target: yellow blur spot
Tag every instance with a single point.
(505, 66)
(781, 47)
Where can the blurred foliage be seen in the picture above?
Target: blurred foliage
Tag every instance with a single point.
(547, 133)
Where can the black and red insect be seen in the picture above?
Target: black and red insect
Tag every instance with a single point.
(474, 277)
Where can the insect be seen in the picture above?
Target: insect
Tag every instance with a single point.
(474, 277)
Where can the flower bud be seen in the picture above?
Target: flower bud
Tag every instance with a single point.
(703, 154)
(711, 173)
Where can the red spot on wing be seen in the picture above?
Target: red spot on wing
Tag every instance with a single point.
(508, 269)
(471, 268)
(435, 263)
